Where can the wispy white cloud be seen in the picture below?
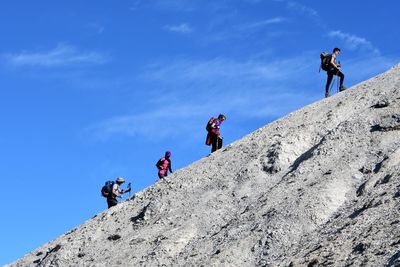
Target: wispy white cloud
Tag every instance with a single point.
(263, 23)
(186, 117)
(62, 55)
(224, 69)
(182, 28)
(302, 9)
(194, 89)
(354, 42)
(160, 123)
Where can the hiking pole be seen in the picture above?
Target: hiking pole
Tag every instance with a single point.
(338, 83)
(129, 189)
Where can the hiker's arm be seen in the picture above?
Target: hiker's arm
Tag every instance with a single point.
(216, 132)
(159, 165)
(334, 64)
(170, 167)
(122, 191)
(128, 189)
(214, 128)
(115, 191)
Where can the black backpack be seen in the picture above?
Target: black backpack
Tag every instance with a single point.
(106, 190)
(159, 162)
(325, 59)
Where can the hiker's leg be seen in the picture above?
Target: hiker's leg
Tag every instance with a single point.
(219, 142)
(111, 202)
(214, 141)
(328, 81)
(214, 146)
(160, 175)
(341, 76)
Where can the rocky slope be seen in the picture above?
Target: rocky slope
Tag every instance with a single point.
(319, 187)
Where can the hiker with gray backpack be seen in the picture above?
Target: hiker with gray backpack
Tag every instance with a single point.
(332, 68)
(111, 190)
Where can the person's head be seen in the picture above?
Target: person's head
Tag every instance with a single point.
(167, 154)
(120, 180)
(221, 117)
(336, 50)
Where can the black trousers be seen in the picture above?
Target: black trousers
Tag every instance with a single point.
(330, 74)
(111, 202)
(216, 142)
(160, 175)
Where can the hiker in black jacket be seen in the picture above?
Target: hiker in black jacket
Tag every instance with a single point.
(334, 69)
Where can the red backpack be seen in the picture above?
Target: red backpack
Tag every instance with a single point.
(209, 123)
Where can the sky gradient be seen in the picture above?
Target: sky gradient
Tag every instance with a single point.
(92, 90)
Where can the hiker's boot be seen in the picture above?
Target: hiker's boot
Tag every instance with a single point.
(342, 88)
(327, 95)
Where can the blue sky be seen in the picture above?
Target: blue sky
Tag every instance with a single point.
(91, 90)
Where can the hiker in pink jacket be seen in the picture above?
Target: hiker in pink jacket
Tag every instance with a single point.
(164, 165)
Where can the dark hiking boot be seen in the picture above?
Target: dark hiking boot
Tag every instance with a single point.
(327, 95)
(342, 88)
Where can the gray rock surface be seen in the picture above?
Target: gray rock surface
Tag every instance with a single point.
(319, 187)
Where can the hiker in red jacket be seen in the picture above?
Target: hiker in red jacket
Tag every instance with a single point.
(164, 165)
(213, 137)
